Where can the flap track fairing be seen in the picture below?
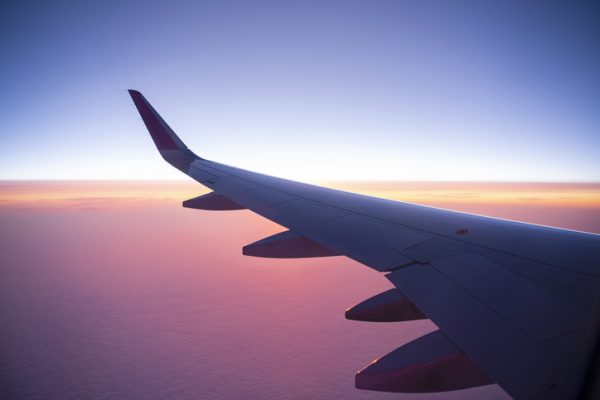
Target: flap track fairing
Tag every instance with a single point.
(429, 364)
(388, 306)
(212, 201)
(287, 245)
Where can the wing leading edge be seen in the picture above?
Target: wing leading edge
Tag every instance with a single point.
(516, 304)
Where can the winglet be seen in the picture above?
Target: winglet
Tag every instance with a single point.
(171, 148)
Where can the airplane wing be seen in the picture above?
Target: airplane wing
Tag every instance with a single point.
(516, 304)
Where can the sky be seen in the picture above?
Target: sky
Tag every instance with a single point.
(308, 90)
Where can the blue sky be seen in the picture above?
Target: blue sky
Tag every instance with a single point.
(310, 90)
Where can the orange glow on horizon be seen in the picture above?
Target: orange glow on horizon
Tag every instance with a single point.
(567, 205)
(431, 193)
(106, 193)
(435, 193)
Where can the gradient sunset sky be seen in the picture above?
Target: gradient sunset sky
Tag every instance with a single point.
(309, 90)
(112, 289)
